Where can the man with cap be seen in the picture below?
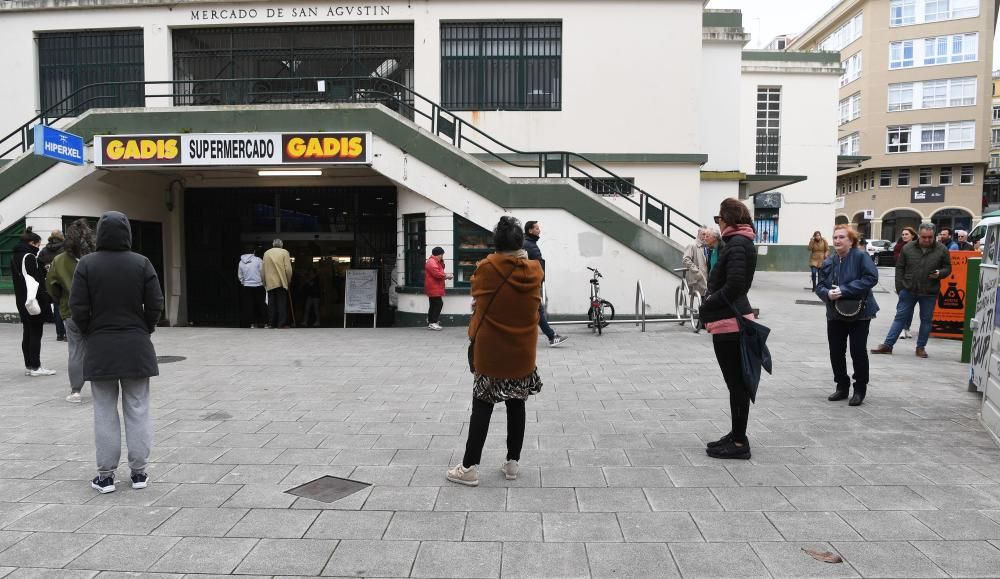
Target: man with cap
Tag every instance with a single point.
(434, 277)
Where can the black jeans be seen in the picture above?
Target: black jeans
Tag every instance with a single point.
(434, 311)
(60, 326)
(543, 323)
(479, 426)
(727, 352)
(838, 332)
(252, 305)
(31, 339)
(277, 303)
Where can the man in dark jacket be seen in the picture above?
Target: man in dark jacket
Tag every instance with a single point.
(921, 266)
(52, 248)
(532, 231)
(116, 302)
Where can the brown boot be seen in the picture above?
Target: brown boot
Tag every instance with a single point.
(921, 353)
(882, 349)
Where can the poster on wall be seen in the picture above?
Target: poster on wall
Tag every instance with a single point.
(949, 312)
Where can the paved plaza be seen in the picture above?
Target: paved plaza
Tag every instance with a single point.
(614, 478)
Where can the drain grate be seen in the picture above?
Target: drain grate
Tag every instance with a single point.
(328, 488)
(170, 359)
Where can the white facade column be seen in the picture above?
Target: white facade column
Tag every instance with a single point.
(157, 54)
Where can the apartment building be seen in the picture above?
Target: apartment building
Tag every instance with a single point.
(914, 111)
(991, 190)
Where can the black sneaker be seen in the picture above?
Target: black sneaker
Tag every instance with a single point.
(556, 340)
(724, 440)
(139, 481)
(60, 338)
(730, 450)
(103, 485)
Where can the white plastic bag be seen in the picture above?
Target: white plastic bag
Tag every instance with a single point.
(29, 282)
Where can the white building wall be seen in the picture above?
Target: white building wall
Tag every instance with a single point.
(719, 120)
(808, 147)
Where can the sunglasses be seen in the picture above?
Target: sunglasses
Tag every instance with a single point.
(716, 219)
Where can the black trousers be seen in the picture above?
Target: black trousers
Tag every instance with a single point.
(252, 306)
(727, 352)
(838, 332)
(31, 339)
(434, 312)
(479, 426)
(277, 303)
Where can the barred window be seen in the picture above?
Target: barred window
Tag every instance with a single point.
(513, 66)
(608, 185)
(69, 61)
(768, 129)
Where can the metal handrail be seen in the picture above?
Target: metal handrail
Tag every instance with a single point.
(640, 300)
(371, 89)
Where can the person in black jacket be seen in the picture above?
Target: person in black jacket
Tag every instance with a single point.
(25, 259)
(53, 247)
(116, 302)
(728, 284)
(532, 232)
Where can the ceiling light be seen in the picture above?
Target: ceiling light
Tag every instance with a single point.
(290, 173)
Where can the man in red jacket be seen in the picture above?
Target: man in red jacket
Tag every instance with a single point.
(434, 277)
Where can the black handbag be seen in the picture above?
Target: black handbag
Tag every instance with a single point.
(847, 309)
(754, 355)
(472, 340)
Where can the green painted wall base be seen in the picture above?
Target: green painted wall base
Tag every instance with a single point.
(783, 258)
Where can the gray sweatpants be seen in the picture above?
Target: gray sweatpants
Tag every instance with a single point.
(77, 347)
(107, 428)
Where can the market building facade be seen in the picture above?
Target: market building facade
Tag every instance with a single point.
(364, 135)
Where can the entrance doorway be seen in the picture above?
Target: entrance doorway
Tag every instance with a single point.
(894, 222)
(327, 230)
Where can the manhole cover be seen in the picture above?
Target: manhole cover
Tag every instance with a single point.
(170, 359)
(328, 488)
(809, 303)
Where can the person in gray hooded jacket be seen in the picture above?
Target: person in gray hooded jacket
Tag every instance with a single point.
(253, 305)
(116, 302)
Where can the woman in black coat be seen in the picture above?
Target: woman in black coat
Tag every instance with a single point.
(116, 302)
(728, 284)
(25, 258)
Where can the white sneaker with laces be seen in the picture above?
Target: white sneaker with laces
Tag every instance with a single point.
(509, 469)
(42, 372)
(464, 476)
(435, 327)
(74, 398)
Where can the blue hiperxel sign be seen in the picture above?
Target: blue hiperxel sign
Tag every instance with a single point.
(56, 144)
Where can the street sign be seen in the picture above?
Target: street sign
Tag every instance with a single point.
(58, 145)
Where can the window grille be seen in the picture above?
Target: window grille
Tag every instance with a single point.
(768, 130)
(608, 186)
(512, 66)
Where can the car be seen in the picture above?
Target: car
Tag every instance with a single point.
(886, 257)
(875, 246)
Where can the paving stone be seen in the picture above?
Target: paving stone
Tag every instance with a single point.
(826, 475)
(636, 477)
(260, 496)
(700, 476)
(8, 538)
(716, 527)
(889, 474)
(890, 498)
(821, 499)
(423, 526)
(51, 550)
(656, 457)
(580, 527)
(395, 476)
(372, 559)
(892, 560)
(401, 499)
(612, 500)
(751, 499)
(286, 556)
(13, 490)
(812, 526)
(10, 512)
(767, 476)
(69, 492)
(630, 560)
(573, 477)
(42, 573)
(201, 522)
(196, 473)
(128, 520)
(541, 500)
(297, 456)
(511, 526)
(888, 526)
(600, 457)
(682, 499)
(959, 525)
(660, 527)
(253, 474)
(56, 518)
(956, 497)
(274, 524)
(204, 555)
(124, 553)
(963, 558)
(333, 524)
(457, 560)
(789, 561)
(460, 498)
(198, 495)
(563, 560)
(715, 560)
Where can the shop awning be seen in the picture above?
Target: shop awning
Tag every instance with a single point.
(754, 184)
(845, 162)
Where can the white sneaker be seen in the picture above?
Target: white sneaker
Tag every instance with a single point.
(435, 327)
(905, 335)
(42, 372)
(464, 476)
(74, 398)
(27, 371)
(509, 469)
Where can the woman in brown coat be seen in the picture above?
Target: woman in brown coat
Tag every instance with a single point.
(506, 289)
(818, 248)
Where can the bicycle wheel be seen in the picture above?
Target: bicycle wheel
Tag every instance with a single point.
(599, 322)
(592, 316)
(607, 312)
(680, 304)
(695, 316)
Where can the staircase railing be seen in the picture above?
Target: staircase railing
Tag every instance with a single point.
(366, 89)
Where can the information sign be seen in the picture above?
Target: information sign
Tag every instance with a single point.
(361, 293)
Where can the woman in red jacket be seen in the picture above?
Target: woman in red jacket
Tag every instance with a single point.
(434, 277)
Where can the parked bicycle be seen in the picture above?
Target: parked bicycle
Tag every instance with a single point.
(687, 302)
(601, 311)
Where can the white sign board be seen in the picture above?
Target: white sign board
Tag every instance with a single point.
(361, 293)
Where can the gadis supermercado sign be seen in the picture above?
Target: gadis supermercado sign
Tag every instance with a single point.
(232, 149)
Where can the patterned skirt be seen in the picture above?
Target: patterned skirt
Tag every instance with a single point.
(496, 390)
